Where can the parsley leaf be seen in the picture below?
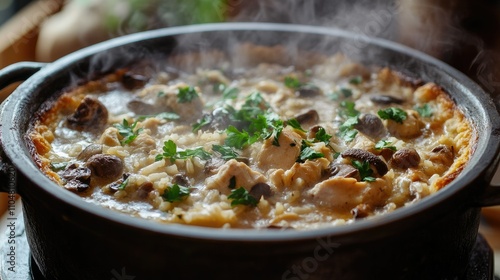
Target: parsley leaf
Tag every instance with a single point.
(322, 136)
(277, 128)
(306, 152)
(238, 139)
(175, 193)
(384, 144)
(292, 82)
(425, 110)
(226, 152)
(170, 152)
(240, 196)
(227, 92)
(295, 124)
(58, 166)
(123, 185)
(127, 131)
(347, 131)
(356, 80)
(205, 120)
(186, 94)
(393, 113)
(364, 169)
(347, 109)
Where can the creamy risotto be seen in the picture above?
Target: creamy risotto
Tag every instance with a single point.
(268, 145)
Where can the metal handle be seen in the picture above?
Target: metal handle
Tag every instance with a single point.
(491, 195)
(8, 75)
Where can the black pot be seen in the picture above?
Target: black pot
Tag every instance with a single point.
(72, 239)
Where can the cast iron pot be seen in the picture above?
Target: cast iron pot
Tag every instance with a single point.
(72, 239)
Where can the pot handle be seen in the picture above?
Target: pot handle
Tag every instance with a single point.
(18, 72)
(13, 73)
(491, 195)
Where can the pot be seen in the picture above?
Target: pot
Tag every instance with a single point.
(72, 239)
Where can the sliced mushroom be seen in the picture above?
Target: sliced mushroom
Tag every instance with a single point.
(308, 90)
(372, 159)
(76, 186)
(90, 115)
(386, 99)
(386, 153)
(90, 150)
(308, 119)
(144, 189)
(371, 126)
(181, 180)
(134, 81)
(442, 154)
(107, 167)
(311, 134)
(405, 158)
(74, 172)
(115, 186)
(342, 170)
(140, 107)
(261, 190)
(213, 164)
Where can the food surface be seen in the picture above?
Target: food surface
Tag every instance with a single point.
(265, 145)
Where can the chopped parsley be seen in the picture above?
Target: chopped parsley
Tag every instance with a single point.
(307, 153)
(170, 152)
(356, 80)
(365, 172)
(186, 94)
(277, 127)
(128, 131)
(322, 136)
(123, 185)
(226, 152)
(240, 196)
(384, 144)
(205, 120)
(347, 131)
(175, 193)
(348, 110)
(295, 124)
(227, 92)
(292, 82)
(425, 110)
(393, 113)
(58, 166)
(238, 139)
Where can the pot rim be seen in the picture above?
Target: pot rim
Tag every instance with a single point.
(13, 142)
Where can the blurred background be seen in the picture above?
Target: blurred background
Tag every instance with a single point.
(462, 33)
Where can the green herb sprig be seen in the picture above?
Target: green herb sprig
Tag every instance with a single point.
(240, 196)
(365, 171)
(170, 152)
(175, 193)
(128, 131)
(392, 113)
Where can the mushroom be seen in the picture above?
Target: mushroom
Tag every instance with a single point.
(107, 167)
(74, 172)
(91, 114)
(375, 161)
(308, 90)
(115, 186)
(386, 99)
(133, 81)
(181, 180)
(405, 158)
(370, 125)
(76, 186)
(144, 189)
(442, 154)
(342, 170)
(90, 150)
(212, 165)
(261, 190)
(308, 119)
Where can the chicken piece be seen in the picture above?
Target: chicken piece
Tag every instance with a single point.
(301, 175)
(243, 176)
(110, 137)
(345, 194)
(282, 156)
(410, 128)
(144, 143)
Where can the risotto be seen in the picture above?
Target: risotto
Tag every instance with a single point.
(268, 145)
